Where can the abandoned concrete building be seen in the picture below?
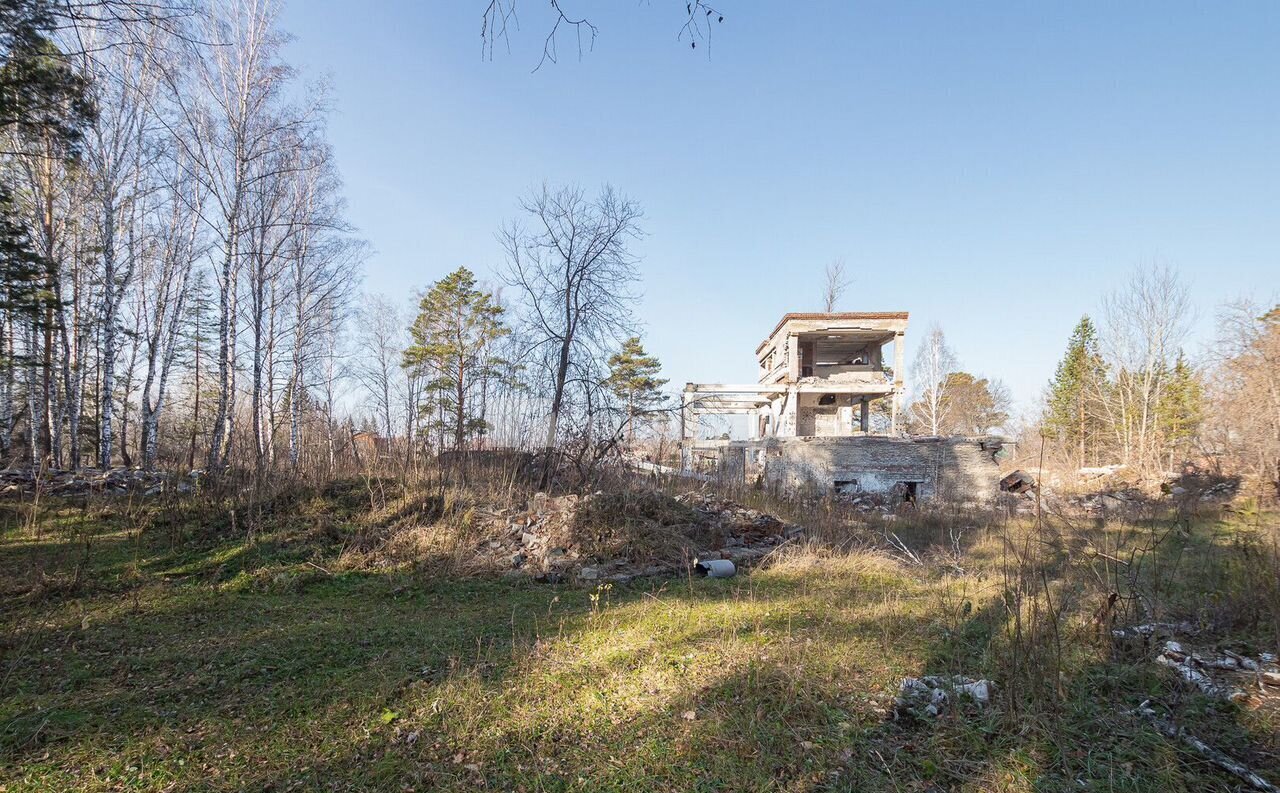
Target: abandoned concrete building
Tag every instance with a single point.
(824, 414)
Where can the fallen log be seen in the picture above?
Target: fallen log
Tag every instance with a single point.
(1218, 758)
(1185, 665)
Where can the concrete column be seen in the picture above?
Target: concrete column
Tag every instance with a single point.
(865, 418)
(789, 414)
(899, 353)
(684, 413)
(753, 424)
(793, 357)
(684, 430)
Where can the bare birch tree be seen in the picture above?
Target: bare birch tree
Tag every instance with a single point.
(933, 363)
(225, 99)
(380, 342)
(1146, 320)
(164, 296)
(118, 154)
(323, 258)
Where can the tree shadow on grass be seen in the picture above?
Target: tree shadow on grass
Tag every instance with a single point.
(324, 687)
(1078, 734)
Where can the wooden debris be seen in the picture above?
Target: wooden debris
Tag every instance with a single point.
(1218, 758)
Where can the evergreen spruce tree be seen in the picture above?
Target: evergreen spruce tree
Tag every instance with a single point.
(1073, 391)
(454, 340)
(1181, 407)
(633, 379)
(44, 103)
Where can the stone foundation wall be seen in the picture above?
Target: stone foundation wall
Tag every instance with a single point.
(963, 469)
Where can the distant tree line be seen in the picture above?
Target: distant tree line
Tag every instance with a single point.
(1127, 392)
(949, 401)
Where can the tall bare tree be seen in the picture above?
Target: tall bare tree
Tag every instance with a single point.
(1146, 322)
(572, 265)
(118, 155)
(836, 282)
(226, 101)
(164, 298)
(322, 258)
(1244, 426)
(380, 343)
(933, 363)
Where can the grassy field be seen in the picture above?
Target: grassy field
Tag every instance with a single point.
(149, 648)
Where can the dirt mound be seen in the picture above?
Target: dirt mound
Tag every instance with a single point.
(618, 536)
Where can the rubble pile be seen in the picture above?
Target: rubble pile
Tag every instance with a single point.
(614, 538)
(1187, 488)
(1195, 669)
(1122, 488)
(932, 695)
(118, 481)
(537, 539)
(881, 503)
(1100, 502)
(748, 534)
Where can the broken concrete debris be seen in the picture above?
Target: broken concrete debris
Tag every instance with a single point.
(931, 695)
(559, 538)
(1018, 482)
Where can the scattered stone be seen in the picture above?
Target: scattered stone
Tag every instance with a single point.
(17, 482)
(930, 696)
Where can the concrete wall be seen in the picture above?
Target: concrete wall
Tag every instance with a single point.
(963, 469)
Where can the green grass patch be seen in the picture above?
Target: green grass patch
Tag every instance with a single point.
(193, 660)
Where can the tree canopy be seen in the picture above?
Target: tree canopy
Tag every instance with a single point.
(633, 379)
(454, 347)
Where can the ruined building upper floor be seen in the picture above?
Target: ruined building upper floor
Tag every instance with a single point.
(823, 349)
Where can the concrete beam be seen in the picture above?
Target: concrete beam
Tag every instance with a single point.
(722, 388)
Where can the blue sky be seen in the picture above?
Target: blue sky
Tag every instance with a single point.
(992, 167)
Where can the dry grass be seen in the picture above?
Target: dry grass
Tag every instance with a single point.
(189, 658)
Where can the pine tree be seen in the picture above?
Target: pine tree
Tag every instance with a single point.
(453, 349)
(1074, 388)
(633, 379)
(44, 102)
(1180, 410)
